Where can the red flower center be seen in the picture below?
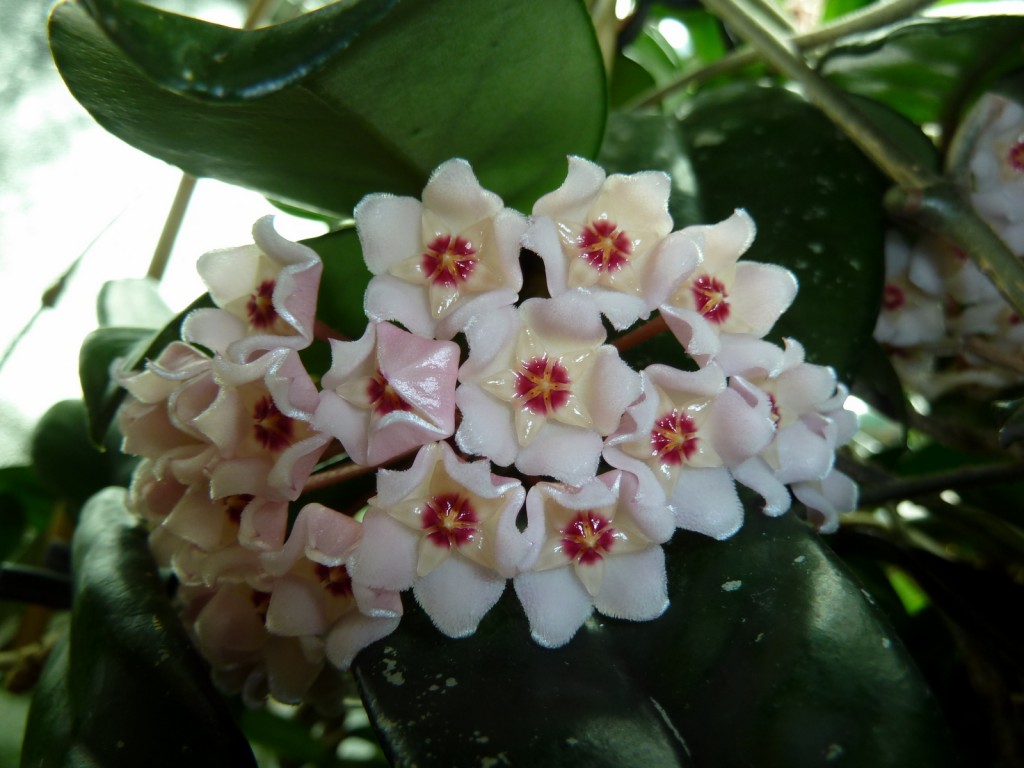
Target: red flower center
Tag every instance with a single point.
(334, 579)
(893, 297)
(543, 385)
(449, 520)
(587, 538)
(260, 306)
(233, 506)
(1016, 155)
(383, 398)
(776, 416)
(273, 430)
(674, 437)
(449, 261)
(604, 246)
(710, 297)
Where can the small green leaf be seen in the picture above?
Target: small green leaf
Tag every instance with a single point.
(928, 69)
(132, 302)
(67, 461)
(513, 88)
(769, 655)
(127, 688)
(816, 202)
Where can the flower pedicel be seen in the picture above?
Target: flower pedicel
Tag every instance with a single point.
(542, 457)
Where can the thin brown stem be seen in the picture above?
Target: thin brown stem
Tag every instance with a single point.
(336, 475)
(641, 333)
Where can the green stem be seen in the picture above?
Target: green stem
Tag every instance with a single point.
(872, 17)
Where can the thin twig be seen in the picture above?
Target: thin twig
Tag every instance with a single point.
(925, 485)
(336, 475)
(641, 333)
(872, 17)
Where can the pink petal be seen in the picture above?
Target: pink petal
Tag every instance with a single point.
(556, 604)
(705, 501)
(740, 422)
(674, 259)
(457, 594)
(290, 670)
(568, 454)
(758, 476)
(760, 293)
(487, 428)
(386, 557)
(389, 230)
(353, 633)
(296, 608)
(319, 534)
(454, 194)
(635, 586)
(389, 298)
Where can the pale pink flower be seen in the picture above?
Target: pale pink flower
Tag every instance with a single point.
(541, 389)
(810, 424)
(606, 234)
(908, 316)
(593, 550)
(388, 393)
(260, 424)
(997, 159)
(441, 262)
(827, 499)
(265, 293)
(725, 296)
(313, 595)
(446, 528)
(682, 437)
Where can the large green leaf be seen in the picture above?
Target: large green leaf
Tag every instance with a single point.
(928, 69)
(816, 202)
(67, 461)
(128, 688)
(512, 87)
(769, 655)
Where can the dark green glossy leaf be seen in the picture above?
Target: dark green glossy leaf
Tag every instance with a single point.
(67, 461)
(1012, 430)
(224, 64)
(628, 81)
(128, 688)
(816, 202)
(343, 283)
(928, 69)
(513, 88)
(132, 302)
(769, 655)
(24, 505)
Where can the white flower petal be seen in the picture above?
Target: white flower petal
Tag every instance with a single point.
(635, 586)
(705, 501)
(556, 604)
(457, 594)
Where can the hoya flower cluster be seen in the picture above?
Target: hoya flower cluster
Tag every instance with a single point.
(540, 457)
(942, 319)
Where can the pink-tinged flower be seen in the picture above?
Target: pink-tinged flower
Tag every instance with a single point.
(810, 424)
(260, 424)
(150, 419)
(682, 438)
(908, 315)
(939, 268)
(446, 528)
(388, 393)
(593, 550)
(606, 234)
(237, 520)
(440, 262)
(265, 294)
(313, 595)
(996, 160)
(827, 498)
(541, 389)
(724, 295)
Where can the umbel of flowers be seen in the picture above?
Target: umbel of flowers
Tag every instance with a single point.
(540, 458)
(944, 322)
